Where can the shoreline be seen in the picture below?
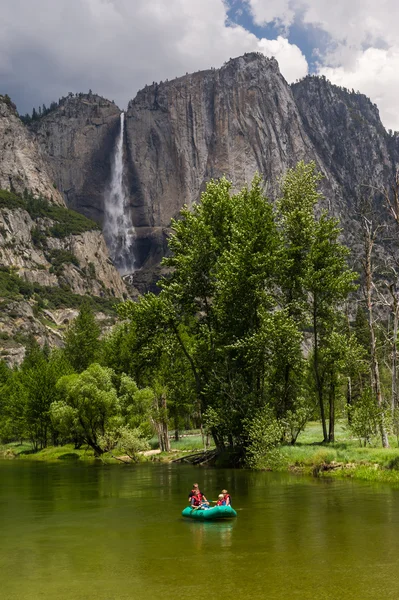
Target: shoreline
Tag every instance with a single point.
(361, 464)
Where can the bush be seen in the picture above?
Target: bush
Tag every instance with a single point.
(59, 258)
(264, 434)
(66, 221)
(365, 418)
(39, 238)
(11, 200)
(12, 286)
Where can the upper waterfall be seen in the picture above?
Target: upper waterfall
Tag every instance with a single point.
(118, 226)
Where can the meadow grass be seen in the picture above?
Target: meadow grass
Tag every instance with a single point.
(343, 458)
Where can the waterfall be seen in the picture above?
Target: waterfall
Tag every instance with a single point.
(118, 227)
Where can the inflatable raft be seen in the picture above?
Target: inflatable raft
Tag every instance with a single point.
(209, 514)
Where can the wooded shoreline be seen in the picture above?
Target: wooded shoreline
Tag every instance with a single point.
(345, 459)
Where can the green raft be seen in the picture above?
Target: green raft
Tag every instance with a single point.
(215, 513)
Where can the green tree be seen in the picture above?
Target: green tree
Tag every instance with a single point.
(38, 377)
(82, 344)
(295, 214)
(329, 281)
(88, 405)
(90, 409)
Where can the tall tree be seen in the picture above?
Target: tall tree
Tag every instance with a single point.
(82, 339)
(370, 231)
(329, 281)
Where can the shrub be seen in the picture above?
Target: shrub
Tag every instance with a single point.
(39, 239)
(365, 418)
(264, 434)
(66, 221)
(12, 286)
(59, 258)
(11, 200)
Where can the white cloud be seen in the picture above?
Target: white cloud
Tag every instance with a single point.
(290, 58)
(374, 72)
(364, 43)
(115, 47)
(279, 11)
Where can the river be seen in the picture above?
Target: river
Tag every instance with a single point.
(79, 532)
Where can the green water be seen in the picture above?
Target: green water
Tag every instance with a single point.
(71, 532)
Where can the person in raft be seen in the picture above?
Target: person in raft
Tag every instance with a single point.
(226, 497)
(221, 501)
(197, 500)
(194, 490)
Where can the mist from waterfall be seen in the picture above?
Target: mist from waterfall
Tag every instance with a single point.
(118, 227)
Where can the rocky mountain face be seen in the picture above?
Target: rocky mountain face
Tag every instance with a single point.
(234, 121)
(242, 119)
(346, 132)
(50, 256)
(77, 139)
(237, 120)
(22, 163)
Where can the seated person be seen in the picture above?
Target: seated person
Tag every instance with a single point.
(195, 488)
(197, 500)
(227, 497)
(221, 501)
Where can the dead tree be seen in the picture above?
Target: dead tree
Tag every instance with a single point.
(370, 234)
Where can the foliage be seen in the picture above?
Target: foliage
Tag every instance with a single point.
(264, 433)
(89, 402)
(28, 393)
(66, 221)
(12, 286)
(82, 339)
(59, 258)
(126, 440)
(295, 419)
(365, 418)
(90, 407)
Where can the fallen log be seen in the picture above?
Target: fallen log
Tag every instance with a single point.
(198, 458)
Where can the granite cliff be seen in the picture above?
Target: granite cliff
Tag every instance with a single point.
(77, 139)
(237, 120)
(23, 164)
(50, 256)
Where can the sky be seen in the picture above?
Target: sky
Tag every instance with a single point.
(114, 47)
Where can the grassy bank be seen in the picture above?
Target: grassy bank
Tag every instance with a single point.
(188, 443)
(343, 459)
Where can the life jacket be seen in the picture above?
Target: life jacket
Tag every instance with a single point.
(196, 500)
(221, 503)
(227, 496)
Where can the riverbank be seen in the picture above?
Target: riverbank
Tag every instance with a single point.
(187, 444)
(343, 459)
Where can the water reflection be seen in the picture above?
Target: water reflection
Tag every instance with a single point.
(75, 532)
(211, 534)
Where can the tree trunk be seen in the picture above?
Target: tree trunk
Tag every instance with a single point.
(97, 450)
(375, 370)
(331, 424)
(394, 353)
(164, 424)
(349, 399)
(319, 384)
